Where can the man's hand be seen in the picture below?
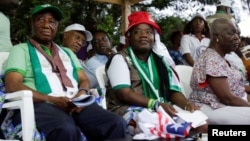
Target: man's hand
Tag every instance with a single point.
(63, 103)
(76, 110)
(80, 92)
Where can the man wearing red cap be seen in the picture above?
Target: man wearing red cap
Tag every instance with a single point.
(142, 74)
(55, 76)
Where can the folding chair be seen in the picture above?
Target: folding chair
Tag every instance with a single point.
(102, 80)
(101, 76)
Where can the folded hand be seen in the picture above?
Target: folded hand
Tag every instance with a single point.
(63, 103)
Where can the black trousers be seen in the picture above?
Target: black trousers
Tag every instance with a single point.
(96, 123)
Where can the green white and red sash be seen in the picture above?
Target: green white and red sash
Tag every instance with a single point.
(47, 81)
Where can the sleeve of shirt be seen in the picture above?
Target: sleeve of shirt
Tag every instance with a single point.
(216, 66)
(184, 47)
(19, 53)
(118, 73)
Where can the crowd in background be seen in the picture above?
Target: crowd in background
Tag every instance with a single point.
(140, 70)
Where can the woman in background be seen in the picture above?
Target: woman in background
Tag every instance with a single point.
(195, 39)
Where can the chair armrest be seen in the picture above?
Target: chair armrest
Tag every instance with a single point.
(23, 100)
(19, 95)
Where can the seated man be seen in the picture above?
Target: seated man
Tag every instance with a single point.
(141, 75)
(55, 76)
(103, 50)
(74, 37)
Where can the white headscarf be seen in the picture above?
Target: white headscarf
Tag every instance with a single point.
(160, 49)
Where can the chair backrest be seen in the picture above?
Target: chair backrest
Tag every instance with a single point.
(101, 76)
(102, 80)
(184, 72)
(3, 58)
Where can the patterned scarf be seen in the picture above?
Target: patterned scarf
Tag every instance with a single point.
(57, 67)
(150, 86)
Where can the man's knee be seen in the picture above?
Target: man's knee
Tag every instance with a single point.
(119, 121)
(66, 131)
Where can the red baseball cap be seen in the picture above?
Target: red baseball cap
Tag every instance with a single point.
(141, 17)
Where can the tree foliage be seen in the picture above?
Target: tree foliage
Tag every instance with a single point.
(168, 25)
(95, 15)
(91, 14)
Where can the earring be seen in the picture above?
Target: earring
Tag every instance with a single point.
(217, 40)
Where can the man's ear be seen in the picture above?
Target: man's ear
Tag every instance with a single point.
(65, 37)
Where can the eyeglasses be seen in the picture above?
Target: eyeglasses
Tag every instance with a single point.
(103, 39)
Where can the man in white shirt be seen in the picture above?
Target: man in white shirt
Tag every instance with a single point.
(103, 50)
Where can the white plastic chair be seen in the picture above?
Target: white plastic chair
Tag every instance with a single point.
(184, 72)
(102, 80)
(20, 100)
(101, 76)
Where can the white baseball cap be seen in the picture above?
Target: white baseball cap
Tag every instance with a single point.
(78, 27)
(227, 3)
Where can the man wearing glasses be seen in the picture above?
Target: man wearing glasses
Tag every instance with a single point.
(103, 50)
